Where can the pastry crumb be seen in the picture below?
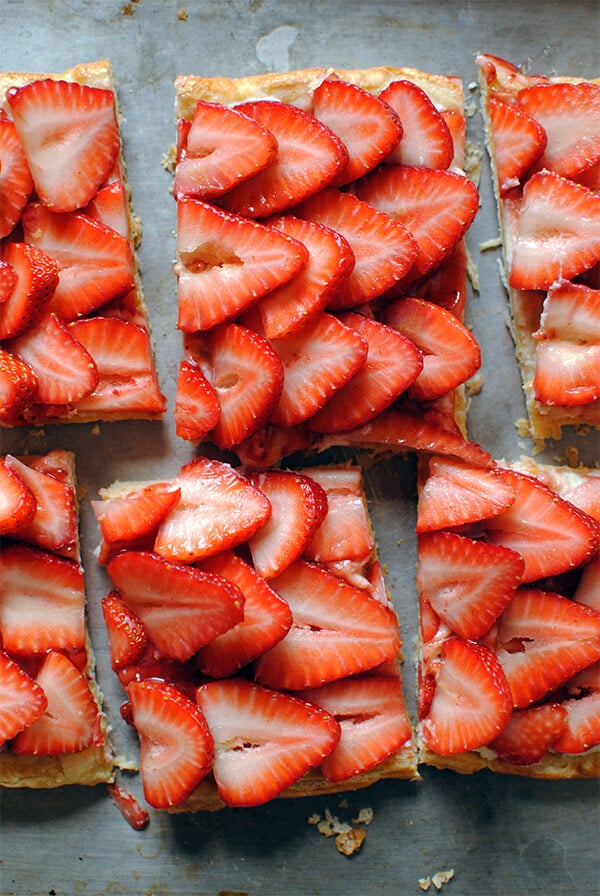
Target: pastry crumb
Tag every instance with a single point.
(348, 838)
(572, 453)
(522, 427)
(424, 883)
(365, 816)
(182, 15)
(475, 384)
(437, 880)
(350, 841)
(493, 243)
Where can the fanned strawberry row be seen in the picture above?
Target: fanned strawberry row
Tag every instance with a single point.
(74, 341)
(510, 622)
(322, 271)
(251, 629)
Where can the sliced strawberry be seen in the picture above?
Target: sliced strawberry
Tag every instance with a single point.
(197, 407)
(267, 619)
(22, 700)
(468, 583)
(131, 810)
(137, 513)
(583, 724)
(318, 360)
(127, 637)
(8, 281)
(585, 494)
(221, 148)
(71, 138)
(447, 284)
(543, 640)
(95, 263)
(309, 157)
(299, 505)
(37, 279)
(337, 630)
(226, 262)
(54, 523)
(558, 232)
(110, 207)
(457, 125)
(219, 509)
(426, 139)
(530, 733)
(16, 182)
(181, 608)
(69, 722)
(272, 444)
(368, 127)
(470, 702)
(570, 115)
(503, 78)
(450, 352)
(18, 387)
(384, 250)
(518, 142)
(17, 503)
(176, 747)
(264, 740)
(551, 534)
(393, 364)
(437, 207)
(456, 493)
(345, 533)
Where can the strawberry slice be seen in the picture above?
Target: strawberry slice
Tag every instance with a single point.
(132, 811)
(16, 182)
(468, 583)
(470, 699)
(54, 523)
(570, 116)
(226, 262)
(457, 125)
(71, 138)
(110, 207)
(137, 513)
(264, 740)
(176, 747)
(95, 263)
(42, 601)
(299, 505)
(457, 493)
(393, 364)
(558, 232)
(450, 352)
(518, 140)
(542, 640)
(69, 723)
(337, 630)
(309, 157)
(17, 503)
(37, 279)
(181, 608)
(384, 250)
(551, 534)
(218, 509)
(372, 717)
(368, 127)
(503, 78)
(197, 408)
(267, 619)
(426, 139)
(447, 284)
(583, 724)
(8, 281)
(18, 387)
(22, 700)
(318, 360)
(345, 533)
(437, 207)
(127, 637)
(530, 733)
(221, 148)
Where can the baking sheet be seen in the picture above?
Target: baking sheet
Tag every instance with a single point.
(502, 836)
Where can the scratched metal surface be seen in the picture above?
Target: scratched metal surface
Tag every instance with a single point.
(502, 836)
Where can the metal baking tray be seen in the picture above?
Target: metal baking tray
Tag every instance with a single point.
(501, 836)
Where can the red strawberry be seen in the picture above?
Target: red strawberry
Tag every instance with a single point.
(309, 157)
(71, 138)
(557, 234)
(16, 183)
(368, 127)
(22, 700)
(18, 387)
(264, 740)
(392, 366)
(337, 630)
(530, 733)
(181, 608)
(299, 505)
(437, 207)
(95, 263)
(450, 352)
(219, 509)
(384, 250)
(54, 523)
(17, 503)
(197, 407)
(110, 207)
(542, 640)
(127, 637)
(131, 810)
(271, 444)
(518, 142)
(468, 583)
(447, 284)
(570, 115)
(503, 78)
(176, 747)
(42, 602)
(221, 148)
(226, 262)
(585, 494)
(318, 360)
(8, 281)
(345, 533)
(267, 619)
(426, 139)
(37, 279)
(470, 702)
(457, 125)
(137, 513)
(583, 724)
(551, 534)
(69, 723)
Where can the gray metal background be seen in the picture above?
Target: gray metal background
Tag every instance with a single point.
(503, 836)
